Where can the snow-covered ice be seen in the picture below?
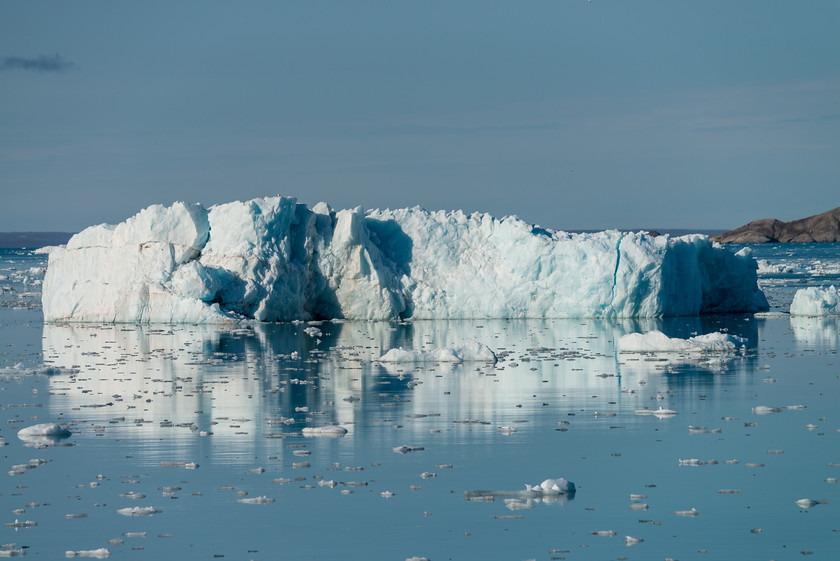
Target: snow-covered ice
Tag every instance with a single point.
(273, 259)
(656, 341)
(815, 301)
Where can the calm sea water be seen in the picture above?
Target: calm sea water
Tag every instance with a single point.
(146, 403)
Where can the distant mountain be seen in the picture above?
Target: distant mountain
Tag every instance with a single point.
(823, 227)
(32, 240)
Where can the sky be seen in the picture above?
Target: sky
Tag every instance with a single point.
(567, 113)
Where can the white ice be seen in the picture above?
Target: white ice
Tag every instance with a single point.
(53, 430)
(656, 341)
(471, 351)
(815, 301)
(331, 430)
(273, 259)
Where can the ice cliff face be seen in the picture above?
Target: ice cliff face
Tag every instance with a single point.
(273, 259)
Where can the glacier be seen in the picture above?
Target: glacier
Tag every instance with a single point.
(274, 259)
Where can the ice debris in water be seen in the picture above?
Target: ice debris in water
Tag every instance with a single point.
(656, 341)
(272, 259)
(472, 351)
(330, 430)
(100, 553)
(552, 487)
(815, 301)
(263, 500)
(139, 511)
(808, 503)
(43, 435)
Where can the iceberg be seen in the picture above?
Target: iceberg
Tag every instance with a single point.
(658, 342)
(273, 259)
(815, 301)
(473, 351)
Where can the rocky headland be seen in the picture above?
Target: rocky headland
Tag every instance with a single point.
(823, 227)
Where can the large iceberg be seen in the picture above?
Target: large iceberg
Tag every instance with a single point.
(273, 259)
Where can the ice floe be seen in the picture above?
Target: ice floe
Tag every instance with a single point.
(472, 351)
(658, 342)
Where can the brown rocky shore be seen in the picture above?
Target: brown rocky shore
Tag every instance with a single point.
(823, 227)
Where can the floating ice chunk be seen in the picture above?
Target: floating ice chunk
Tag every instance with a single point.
(12, 552)
(661, 412)
(100, 553)
(44, 434)
(329, 430)
(815, 301)
(630, 540)
(273, 259)
(808, 503)
(405, 448)
(45, 429)
(139, 511)
(608, 533)
(692, 512)
(559, 486)
(263, 500)
(766, 410)
(656, 341)
(313, 332)
(472, 351)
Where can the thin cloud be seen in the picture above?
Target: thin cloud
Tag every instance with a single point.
(54, 63)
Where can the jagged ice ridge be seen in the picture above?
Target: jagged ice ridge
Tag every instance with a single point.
(273, 259)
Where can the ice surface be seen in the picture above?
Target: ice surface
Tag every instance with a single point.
(814, 301)
(273, 259)
(53, 430)
(656, 341)
(472, 351)
(553, 487)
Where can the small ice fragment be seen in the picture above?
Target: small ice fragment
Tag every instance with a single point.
(692, 512)
(405, 448)
(428, 475)
(263, 500)
(506, 430)
(50, 430)
(630, 540)
(765, 409)
(603, 533)
(100, 553)
(139, 511)
(638, 506)
(808, 503)
(313, 332)
(386, 494)
(330, 430)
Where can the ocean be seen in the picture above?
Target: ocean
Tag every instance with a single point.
(187, 441)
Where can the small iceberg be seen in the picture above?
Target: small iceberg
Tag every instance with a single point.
(658, 342)
(808, 503)
(661, 412)
(139, 511)
(549, 491)
(472, 351)
(559, 486)
(330, 430)
(100, 553)
(45, 434)
(815, 301)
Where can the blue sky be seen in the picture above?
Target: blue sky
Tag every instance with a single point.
(570, 114)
